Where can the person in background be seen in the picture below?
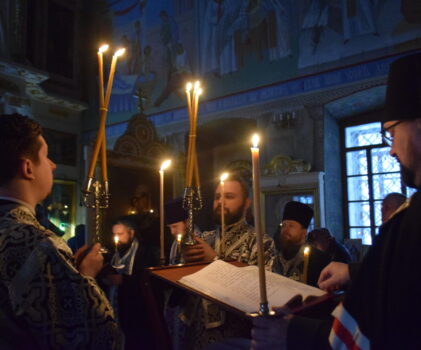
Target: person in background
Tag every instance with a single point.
(125, 294)
(390, 204)
(323, 240)
(290, 243)
(176, 219)
(79, 239)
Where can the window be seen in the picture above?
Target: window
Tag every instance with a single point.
(371, 173)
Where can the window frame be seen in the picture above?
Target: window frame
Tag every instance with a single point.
(367, 118)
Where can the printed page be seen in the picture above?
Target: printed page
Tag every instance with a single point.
(239, 286)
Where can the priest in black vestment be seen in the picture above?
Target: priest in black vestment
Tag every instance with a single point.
(290, 242)
(382, 306)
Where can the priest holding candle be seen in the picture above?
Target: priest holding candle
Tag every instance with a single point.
(238, 244)
(294, 259)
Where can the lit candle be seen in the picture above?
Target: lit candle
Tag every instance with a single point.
(100, 140)
(189, 87)
(179, 240)
(101, 50)
(264, 309)
(192, 106)
(164, 166)
(116, 243)
(117, 54)
(305, 268)
(223, 177)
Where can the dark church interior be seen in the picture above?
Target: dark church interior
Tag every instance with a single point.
(144, 105)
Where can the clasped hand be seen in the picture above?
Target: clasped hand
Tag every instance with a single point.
(200, 252)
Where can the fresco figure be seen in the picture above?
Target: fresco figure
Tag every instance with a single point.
(136, 48)
(257, 28)
(180, 73)
(209, 43)
(279, 36)
(316, 20)
(232, 35)
(357, 18)
(169, 36)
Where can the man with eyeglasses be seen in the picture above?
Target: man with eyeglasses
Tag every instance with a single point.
(382, 304)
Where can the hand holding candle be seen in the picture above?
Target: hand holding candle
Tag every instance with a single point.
(164, 166)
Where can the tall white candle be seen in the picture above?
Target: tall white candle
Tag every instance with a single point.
(305, 268)
(223, 177)
(164, 166)
(258, 225)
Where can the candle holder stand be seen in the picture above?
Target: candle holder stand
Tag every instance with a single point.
(96, 196)
(192, 201)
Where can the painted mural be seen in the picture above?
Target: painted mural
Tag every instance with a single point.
(238, 45)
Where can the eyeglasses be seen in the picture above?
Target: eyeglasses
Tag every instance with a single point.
(387, 136)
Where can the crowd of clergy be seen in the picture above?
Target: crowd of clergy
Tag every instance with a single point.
(54, 298)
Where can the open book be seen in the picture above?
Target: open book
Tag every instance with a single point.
(239, 286)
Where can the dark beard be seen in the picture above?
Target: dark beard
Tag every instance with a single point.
(124, 247)
(230, 217)
(408, 176)
(289, 248)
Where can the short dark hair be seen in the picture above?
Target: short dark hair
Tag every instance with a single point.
(243, 184)
(127, 221)
(18, 138)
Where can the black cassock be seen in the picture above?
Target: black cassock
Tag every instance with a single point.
(384, 298)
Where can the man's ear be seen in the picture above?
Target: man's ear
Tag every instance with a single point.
(26, 168)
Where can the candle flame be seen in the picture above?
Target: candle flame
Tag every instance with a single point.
(179, 237)
(255, 140)
(189, 86)
(306, 250)
(116, 239)
(197, 84)
(120, 52)
(151, 211)
(199, 91)
(165, 164)
(103, 48)
(224, 176)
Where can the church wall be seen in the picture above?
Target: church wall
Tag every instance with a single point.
(333, 179)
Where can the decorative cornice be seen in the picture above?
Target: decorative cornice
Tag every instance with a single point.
(31, 79)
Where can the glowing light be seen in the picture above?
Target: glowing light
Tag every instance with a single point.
(103, 48)
(179, 237)
(306, 250)
(165, 164)
(189, 86)
(255, 140)
(116, 240)
(120, 52)
(224, 176)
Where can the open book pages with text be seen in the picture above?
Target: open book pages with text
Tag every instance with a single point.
(239, 286)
